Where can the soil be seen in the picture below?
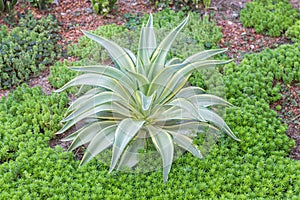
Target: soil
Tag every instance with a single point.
(75, 16)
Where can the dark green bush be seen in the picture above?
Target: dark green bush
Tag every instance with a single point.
(41, 4)
(27, 49)
(103, 7)
(272, 17)
(184, 5)
(7, 6)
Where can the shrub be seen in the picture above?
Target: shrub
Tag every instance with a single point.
(41, 4)
(294, 32)
(27, 49)
(144, 101)
(7, 6)
(272, 17)
(103, 7)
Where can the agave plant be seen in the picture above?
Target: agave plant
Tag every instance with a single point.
(142, 98)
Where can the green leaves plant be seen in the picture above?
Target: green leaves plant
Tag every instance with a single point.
(143, 100)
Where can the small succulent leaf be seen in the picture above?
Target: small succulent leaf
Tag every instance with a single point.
(107, 71)
(101, 141)
(217, 121)
(87, 134)
(146, 101)
(127, 129)
(158, 57)
(130, 156)
(102, 98)
(203, 55)
(117, 53)
(206, 100)
(190, 91)
(164, 145)
(100, 81)
(186, 143)
(188, 106)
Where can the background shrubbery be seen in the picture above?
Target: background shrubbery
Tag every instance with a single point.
(272, 17)
(27, 49)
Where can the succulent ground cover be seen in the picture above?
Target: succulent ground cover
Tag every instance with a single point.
(264, 87)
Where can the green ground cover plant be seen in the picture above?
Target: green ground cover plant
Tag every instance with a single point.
(258, 167)
(272, 17)
(294, 32)
(27, 49)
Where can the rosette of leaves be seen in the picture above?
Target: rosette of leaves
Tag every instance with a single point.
(103, 7)
(143, 99)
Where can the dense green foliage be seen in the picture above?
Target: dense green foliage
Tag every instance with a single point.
(258, 167)
(27, 49)
(103, 6)
(41, 4)
(294, 32)
(272, 17)
(183, 5)
(197, 35)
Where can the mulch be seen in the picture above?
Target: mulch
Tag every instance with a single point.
(78, 15)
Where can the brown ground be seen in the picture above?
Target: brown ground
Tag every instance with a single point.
(77, 15)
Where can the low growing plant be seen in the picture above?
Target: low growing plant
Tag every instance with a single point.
(7, 6)
(103, 7)
(272, 17)
(294, 32)
(143, 99)
(27, 49)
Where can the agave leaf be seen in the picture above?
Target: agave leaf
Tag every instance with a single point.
(206, 100)
(107, 71)
(96, 100)
(182, 75)
(173, 113)
(145, 101)
(164, 145)
(131, 55)
(173, 61)
(103, 140)
(91, 113)
(86, 135)
(78, 102)
(186, 143)
(130, 155)
(217, 121)
(127, 129)
(189, 91)
(117, 53)
(100, 81)
(147, 45)
(159, 55)
(190, 128)
(188, 106)
(141, 79)
(203, 55)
